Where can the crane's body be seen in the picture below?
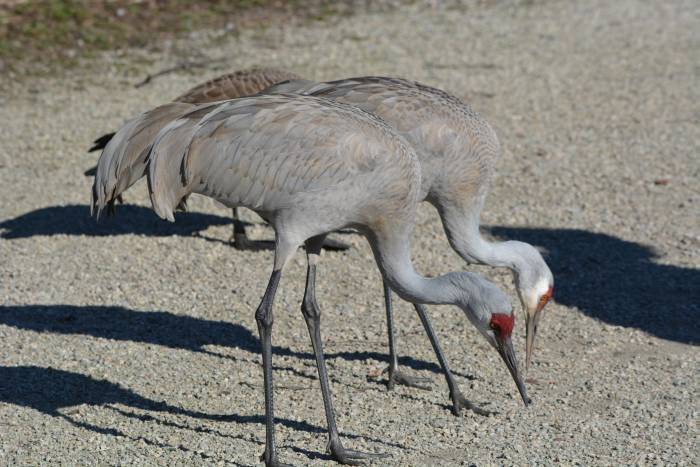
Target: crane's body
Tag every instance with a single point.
(309, 166)
(338, 162)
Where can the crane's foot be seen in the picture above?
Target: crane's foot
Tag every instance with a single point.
(460, 402)
(331, 244)
(240, 241)
(397, 376)
(348, 456)
(273, 462)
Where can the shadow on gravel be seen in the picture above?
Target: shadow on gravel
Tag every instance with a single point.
(75, 219)
(166, 329)
(618, 282)
(49, 390)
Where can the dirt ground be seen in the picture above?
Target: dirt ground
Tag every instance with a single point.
(133, 341)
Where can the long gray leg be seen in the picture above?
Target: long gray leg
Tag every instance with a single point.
(459, 402)
(312, 316)
(397, 376)
(263, 316)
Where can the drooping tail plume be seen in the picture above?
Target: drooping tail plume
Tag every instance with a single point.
(101, 142)
(125, 157)
(167, 182)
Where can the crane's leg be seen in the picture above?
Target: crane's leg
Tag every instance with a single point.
(263, 317)
(459, 402)
(397, 376)
(312, 316)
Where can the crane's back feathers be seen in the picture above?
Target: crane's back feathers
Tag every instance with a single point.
(457, 148)
(237, 84)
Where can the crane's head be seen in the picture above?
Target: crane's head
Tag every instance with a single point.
(489, 309)
(535, 285)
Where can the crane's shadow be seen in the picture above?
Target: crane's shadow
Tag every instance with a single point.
(129, 219)
(617, 281)
(75, 219)
(167, 329)
(50, 391)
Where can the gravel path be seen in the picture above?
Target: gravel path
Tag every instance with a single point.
(133, 341)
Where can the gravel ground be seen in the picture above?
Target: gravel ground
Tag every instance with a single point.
(133, 341)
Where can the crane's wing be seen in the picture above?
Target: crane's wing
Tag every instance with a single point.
(262, 152)
(125, 158)
(237, 84)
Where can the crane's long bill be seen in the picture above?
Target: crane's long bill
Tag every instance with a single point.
(505, 348)
(532, 320)
(530, 333)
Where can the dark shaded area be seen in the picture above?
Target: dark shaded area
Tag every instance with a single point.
(74, 219)
(618, 282)
(49, 390)
(166, 329)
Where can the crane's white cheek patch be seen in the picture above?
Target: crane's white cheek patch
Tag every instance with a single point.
(542, 288)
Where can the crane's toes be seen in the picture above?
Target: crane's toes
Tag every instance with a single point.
(460, 402)
(331, 244)
(399, 377)
(241, 242)
(349, 456)
(273, 462)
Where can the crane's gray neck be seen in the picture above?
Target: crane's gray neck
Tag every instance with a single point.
(393, 256)
(461, 225)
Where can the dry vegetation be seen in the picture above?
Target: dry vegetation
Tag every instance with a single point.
(40, 34)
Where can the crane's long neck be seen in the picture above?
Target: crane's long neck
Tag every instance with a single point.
(393, 255)
(461, 223)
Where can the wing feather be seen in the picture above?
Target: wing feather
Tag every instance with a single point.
(237, 84)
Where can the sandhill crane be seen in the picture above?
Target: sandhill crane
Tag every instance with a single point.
(457, 150)
(308, 166)
(228, 86)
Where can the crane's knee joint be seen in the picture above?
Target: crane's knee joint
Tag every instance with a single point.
(310, 309)
(264, 318)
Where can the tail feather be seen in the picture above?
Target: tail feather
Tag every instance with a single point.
(101, 142)
(166, 183)
(124, 159)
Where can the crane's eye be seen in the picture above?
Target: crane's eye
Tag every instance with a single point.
(493, 326)
(546, 297)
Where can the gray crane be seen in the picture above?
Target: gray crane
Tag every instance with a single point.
(308, 166)
(457, 150)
